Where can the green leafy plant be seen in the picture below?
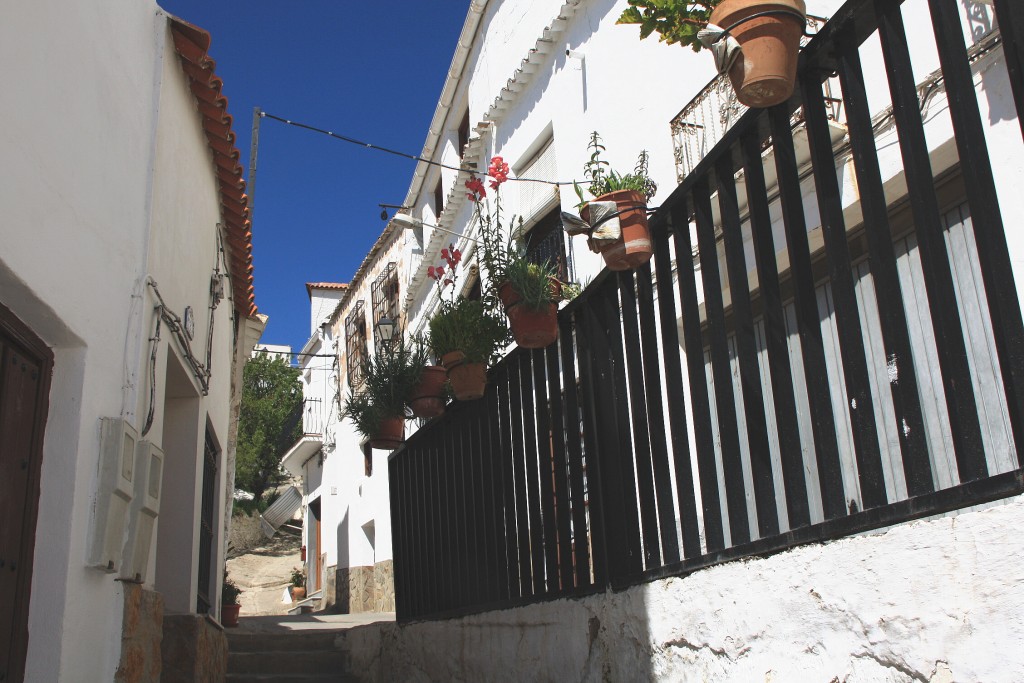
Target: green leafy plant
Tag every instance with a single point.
(229, 592)
(571, 290)
(298, 577)
(389, 378)
(469, 326)
(270, 421)
(675, 21)
(602, 179)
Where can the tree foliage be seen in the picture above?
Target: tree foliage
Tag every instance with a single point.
(270, 421)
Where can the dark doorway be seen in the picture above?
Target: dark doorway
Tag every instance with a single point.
(25, 367)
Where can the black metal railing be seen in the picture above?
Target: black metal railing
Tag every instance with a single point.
(710, 405)
(312, 416)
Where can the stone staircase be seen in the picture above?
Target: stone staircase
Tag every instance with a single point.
(303, 656)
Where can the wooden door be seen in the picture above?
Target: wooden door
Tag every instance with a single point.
(25, 366)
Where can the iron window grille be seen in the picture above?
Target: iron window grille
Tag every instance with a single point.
(355, 344)
(384, 300)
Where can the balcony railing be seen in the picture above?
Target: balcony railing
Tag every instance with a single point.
(857, 374)
(706, 119)
(312, 417)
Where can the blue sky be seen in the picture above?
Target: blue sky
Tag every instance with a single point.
(368, 70)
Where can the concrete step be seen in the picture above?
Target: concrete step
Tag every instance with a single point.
(288, 661)
(294, 640)
(289, 678)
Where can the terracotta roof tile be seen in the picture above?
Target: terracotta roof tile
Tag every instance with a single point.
(192, 44)
(310, 286)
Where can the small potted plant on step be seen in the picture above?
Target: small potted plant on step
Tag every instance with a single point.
(761, 63)
(298, 584)
(229, 606)
(619, 200)
(377, 406)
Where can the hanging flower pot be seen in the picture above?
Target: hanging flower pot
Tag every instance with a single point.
(765, 72)
(390, 435)
(428, 397)
(634, 247)
(532, 329)
(468, 380)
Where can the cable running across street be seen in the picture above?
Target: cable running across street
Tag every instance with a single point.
(413, 157)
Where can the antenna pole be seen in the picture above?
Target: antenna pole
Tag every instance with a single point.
(257, 114)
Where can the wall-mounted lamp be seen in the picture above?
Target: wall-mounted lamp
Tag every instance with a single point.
(386, 328)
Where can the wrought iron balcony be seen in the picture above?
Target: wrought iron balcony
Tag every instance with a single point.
(709, 115)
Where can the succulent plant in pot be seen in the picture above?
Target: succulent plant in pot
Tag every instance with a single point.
(761, 63)
(618, 212)
(377, 406)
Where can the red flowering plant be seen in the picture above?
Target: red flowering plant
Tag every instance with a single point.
(502, 257)
(462, 324)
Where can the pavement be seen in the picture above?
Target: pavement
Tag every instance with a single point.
(264, 574)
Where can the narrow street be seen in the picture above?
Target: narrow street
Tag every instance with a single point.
(264, 573)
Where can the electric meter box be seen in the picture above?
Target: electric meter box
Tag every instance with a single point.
(114, 492)
(143, 511)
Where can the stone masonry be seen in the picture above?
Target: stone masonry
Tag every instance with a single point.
(195, 650)
(141, 634)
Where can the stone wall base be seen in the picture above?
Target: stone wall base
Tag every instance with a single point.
(365, 589)
(330, 588)
(141, 634)
(195, 650)
(936, 600)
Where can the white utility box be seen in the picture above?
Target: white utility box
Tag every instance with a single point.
(143, 511)
(114, 491)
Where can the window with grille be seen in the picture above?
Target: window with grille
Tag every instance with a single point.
(384, 300)
(545, 245)
(206, 589)
(355, 344)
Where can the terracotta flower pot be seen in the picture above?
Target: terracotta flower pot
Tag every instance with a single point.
(764, 75)
(390, 435)
(532, 329)
(634, 247)
(428, 397)
(298, 593)
(468, 380)
(229, 615)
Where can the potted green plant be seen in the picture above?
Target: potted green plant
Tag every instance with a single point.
(377, 406)
(428, 397)
(229, 606)
(767, 33)
(529, 292)
(465, 334)
(629, 193)
(298, 584)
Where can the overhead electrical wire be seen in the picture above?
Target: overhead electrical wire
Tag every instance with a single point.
(413, 157)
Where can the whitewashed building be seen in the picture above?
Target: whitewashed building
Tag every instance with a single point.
(126, 315)
(820, 365)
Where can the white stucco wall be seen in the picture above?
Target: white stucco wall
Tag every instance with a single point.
(115, 182)
(934, 601)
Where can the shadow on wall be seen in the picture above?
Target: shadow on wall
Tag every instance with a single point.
(342, 593)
